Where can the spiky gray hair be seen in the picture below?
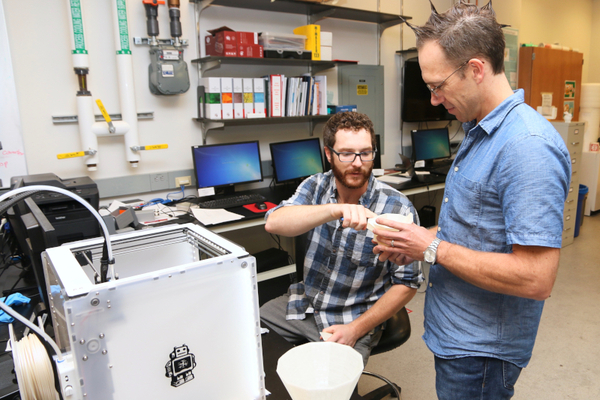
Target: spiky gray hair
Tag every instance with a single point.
(465, 31)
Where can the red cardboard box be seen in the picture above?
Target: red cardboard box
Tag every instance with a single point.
(250, 51)
(246, 38)
(221, 42)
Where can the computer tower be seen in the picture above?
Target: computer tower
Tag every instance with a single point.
(268, 260)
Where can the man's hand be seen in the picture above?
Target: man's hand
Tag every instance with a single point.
(343, 334)
(410, 241)
(354, 216)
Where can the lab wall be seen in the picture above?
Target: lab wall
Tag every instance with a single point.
(594, 60)
(568, 23)
(40, 49)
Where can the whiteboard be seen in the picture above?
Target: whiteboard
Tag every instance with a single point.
(12, 154)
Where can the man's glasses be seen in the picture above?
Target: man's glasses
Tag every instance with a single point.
(345, 156)
(436, 88)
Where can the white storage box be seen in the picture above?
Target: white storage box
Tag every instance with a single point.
(181, 322)
(281, 41)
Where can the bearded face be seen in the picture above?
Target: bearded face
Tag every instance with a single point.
(351, 175)
(355, 174)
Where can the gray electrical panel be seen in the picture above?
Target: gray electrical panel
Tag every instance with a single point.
(362, 85)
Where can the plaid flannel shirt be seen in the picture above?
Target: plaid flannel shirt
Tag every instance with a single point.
(342, 276)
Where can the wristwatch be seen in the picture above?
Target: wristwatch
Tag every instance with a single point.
(430, 253)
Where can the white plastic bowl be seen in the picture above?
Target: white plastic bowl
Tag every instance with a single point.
(372, 224)
(320, 371)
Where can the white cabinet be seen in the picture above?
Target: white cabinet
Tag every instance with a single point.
(572, 134)
(590, 176)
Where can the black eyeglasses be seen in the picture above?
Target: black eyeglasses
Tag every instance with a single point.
(436, 88)
(346, 156)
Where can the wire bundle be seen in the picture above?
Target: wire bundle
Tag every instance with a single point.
(33, 369)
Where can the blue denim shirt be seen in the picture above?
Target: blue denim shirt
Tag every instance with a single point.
(507, 185)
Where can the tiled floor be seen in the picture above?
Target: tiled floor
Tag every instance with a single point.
(566, 357)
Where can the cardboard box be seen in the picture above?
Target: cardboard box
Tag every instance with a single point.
(326, 53)
(246, 38)
(221, 42)
(250, 51)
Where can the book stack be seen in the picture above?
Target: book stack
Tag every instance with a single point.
(273, 95)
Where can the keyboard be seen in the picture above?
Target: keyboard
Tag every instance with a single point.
(443, 170)
(232, 201)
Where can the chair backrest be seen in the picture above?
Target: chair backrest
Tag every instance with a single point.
(396, 332)
(397, 329)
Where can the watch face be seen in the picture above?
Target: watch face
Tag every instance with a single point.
(429, 255)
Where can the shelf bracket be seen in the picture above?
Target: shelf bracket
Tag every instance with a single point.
(207, 66)
(319, 16)
(205, 126)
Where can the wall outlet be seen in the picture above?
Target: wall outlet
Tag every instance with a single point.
(159, 181)
(183, 180)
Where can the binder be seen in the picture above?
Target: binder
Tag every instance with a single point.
(275, 95)
(321, 80)
(247, 87)
(212, 98)
(259, 97)
(313, 39)
(227, 97)
(238, 98)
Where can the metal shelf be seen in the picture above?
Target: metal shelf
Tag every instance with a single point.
(314, 11)
(208, 124)
(212, 62)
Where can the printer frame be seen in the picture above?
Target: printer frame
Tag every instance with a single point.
(181, 322)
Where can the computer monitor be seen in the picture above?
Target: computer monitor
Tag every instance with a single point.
(225, 165)
(430, 144)
(297, 159)
(416, 98)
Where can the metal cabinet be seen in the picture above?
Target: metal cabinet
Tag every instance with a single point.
(572, 134)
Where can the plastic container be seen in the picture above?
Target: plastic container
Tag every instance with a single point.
(371, 224)
(583, 193)
(281, 41)
(320, 371)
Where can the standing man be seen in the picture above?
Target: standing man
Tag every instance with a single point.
(346, 291)
(496, 249)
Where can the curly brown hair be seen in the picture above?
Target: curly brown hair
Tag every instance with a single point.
(349, 120)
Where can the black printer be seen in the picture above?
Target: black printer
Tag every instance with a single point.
(71, 220)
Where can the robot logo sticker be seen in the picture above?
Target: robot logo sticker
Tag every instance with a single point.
(179, 367)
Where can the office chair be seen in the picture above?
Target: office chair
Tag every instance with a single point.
(396, 332)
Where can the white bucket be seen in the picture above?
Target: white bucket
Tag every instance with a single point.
(320, 371)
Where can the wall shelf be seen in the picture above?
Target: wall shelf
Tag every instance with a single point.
(212, 62)
(314, 11)
(208, 124)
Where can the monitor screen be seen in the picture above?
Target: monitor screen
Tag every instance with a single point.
(430, 144)
(227, 164)
(416, 98)
(296, 159)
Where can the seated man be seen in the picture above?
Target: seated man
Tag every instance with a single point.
(346, 292)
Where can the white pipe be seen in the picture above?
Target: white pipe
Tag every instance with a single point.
(80, 54)
(85, 106)
(85, 119)
(125, 77)
(101, 128)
